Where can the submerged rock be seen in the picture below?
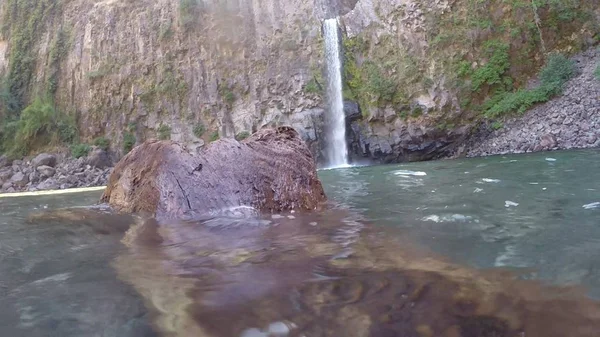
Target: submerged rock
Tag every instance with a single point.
(281, 281)
(273, 170)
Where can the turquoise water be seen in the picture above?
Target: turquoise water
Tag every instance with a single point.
(539, 213)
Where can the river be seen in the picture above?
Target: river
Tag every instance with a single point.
(535, 215)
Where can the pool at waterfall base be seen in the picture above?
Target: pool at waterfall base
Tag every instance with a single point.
(496, 246)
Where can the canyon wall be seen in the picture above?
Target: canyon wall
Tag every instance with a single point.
(197, 70)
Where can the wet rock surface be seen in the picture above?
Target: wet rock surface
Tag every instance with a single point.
(55, 171)
(387, 138)
(272, 170)
(569, 121)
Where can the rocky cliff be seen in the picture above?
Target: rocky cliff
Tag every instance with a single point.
(194, 71)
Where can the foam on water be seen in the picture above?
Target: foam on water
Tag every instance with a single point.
(410, 173)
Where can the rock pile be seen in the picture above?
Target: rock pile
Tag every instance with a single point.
(53, 172)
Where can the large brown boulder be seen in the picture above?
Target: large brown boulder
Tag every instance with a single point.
(271, 171)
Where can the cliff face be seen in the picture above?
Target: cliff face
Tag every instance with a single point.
(195, 70)
(232, 66)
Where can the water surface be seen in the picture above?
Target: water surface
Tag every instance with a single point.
(539, 212)
(357, 268)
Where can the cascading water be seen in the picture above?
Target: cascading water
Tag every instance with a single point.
(336, 149)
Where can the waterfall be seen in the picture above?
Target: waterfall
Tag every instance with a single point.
(336, 149)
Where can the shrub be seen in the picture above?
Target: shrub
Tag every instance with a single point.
(199, 130)
(242, 135)
(557, 71)
(498, 63)
(128, 142)
(164, 132)
(80, 150)
(40, 124)
(7, 136)
(597, 72)
(214, 136)
(188, 13)
(313, 87)
(67, 130)
(102, 143)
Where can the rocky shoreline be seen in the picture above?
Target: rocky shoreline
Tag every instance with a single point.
(569, 121)
(55, 172)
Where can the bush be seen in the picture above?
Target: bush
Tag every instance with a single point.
(497, 125)
(199, 130)
(597, 72)
(313, 87)
(7, 136)
(80, 150)
(102, 143)
(128, 141)
(242, 135)
(39, 125)
(557, 71)
(164, 132)
(188, 13)
(214, 136)
(498, 63)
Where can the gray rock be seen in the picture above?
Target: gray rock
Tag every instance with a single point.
(46, 171)
(5, 174)
(352, 111)
(6, 185)
(4, 162)
(548, 141)
(33, 177)
(46, 185)
(19, 179)
(44, 159)
(99, 158)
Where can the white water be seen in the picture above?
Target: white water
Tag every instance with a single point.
(336, 149)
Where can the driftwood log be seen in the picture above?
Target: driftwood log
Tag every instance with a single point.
(271, 171)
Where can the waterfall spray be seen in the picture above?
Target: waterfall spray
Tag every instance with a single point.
(336, 148)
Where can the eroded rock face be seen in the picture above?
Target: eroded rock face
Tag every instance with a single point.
(391, 139)
(273, 170)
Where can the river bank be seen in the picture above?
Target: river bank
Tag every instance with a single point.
(55, 172)
(569, 121)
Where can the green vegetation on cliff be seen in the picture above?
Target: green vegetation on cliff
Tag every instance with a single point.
(39, 125)
(482, 52)
(24, 127)
(553, 76)
(21, 23)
